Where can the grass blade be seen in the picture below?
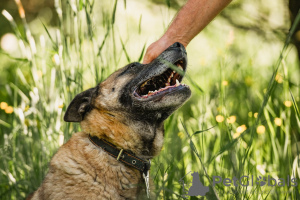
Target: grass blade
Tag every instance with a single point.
(295, 105)
(142, 53)
(5, 123)
(125, 51)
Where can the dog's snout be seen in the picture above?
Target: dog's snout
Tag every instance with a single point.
(178, 45)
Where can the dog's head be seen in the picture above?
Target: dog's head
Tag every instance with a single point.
(144, 94)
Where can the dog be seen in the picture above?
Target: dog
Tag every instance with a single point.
(122, 130)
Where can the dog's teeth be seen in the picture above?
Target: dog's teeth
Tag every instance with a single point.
(177, 83)
(172, 75)
(151, 92)
(169, 80)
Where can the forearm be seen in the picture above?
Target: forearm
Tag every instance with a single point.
(192, 18)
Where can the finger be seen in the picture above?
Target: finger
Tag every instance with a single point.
(148, 58)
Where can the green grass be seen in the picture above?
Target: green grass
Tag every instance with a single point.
(253, 81)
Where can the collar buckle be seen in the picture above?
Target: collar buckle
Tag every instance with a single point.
(120, 153)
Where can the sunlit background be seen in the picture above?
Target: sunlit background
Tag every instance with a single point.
(243, 69)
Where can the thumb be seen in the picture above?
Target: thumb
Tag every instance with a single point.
(149, 56)
(146, 59)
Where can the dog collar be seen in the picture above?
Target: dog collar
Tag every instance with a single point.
(125, 157)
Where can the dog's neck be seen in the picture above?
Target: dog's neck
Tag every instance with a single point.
(143, 139)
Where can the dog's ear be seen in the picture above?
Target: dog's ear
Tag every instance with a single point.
(80, 105)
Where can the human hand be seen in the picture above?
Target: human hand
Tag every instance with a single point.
(156, 48)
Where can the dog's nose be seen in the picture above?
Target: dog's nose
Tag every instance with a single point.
(178, 45)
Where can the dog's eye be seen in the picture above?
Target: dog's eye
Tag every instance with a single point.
(128, 68)
(132, 65)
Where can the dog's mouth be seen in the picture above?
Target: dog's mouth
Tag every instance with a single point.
(164, 83)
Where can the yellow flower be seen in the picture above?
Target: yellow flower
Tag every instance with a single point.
(241, 129)
(181, 135)
(61, 106)
(9, 110)
(248, 81)
(3, 105)
(225, 83)
(255, 115)
(250, 114)
(27, 108)
(235, 135)
(219, 118)
(288, 103)
(278, 78)
(265, 91)
(278, 121)
(261, 129)
(27, 122)
(231, 119)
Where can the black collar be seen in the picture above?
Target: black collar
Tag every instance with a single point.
(123, 156)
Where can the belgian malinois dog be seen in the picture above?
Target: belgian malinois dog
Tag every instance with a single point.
(122, 129)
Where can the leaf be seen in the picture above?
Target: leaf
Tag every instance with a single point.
(5, 123)
(140, 24)
(197, 132)
(295, 105)
(54, 43)
(142, 53)
(114, 12)
(125, 51)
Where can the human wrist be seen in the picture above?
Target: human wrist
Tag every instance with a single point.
(170, 37)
